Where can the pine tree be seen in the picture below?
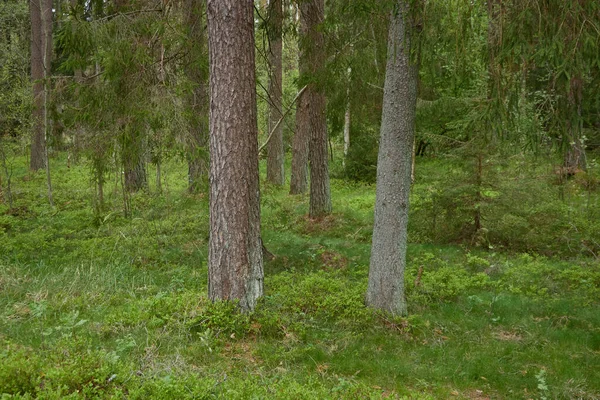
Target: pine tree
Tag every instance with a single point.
(235, 261)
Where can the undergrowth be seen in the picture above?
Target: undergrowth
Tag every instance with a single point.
(96, 305)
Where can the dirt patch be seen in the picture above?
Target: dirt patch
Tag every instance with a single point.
(507, 336)
(333, 260)
(320, 224)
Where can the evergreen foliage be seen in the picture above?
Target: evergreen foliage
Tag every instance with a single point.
(104, 294)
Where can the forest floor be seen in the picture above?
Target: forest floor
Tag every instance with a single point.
(96, 305)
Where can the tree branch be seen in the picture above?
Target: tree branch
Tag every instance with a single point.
(281, 119)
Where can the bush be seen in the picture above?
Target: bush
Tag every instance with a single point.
(19, 369)
(521, 211)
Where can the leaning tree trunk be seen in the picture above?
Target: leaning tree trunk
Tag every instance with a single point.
(197, 73)
(312, 14)
(388, 252)
(41, 59)
(275, 149)
(235, 261)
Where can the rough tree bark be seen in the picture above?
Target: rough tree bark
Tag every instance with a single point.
(275, 149)
(299, 178)
(41, 59)
(133, 163)
(235, 260)
(312, 14)
(197, 73)
(388, 252)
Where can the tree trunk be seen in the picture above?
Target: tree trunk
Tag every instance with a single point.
(347, 120)
(41, 59)
(574, 158)
(275, 149)
(388, 252)
(312, 14)
(197, 73)
(494, 39)
(299, 178)
(235, 261)
(134, 164)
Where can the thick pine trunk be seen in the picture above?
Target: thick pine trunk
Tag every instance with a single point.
(312, 14)
(275, 149)
(388, 252)
(299, 178)
(197, 73)
(235, 261)
(41, 59)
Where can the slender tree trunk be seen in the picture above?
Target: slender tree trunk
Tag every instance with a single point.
(8, 173)
(494, 39)
(390, 236)
(312, 14)
(235, 260)
(275, 149)
(478, 193)
(575, 158)
(347, 119)
(197, 72)
(41, 59)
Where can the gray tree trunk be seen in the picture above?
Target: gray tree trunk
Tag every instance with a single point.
(197, 73)
(347, 119)
(41, 59)
(388, 252)
(312, 14)
(235, 260)
(275, 149)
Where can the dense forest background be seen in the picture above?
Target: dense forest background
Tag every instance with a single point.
(107, 242)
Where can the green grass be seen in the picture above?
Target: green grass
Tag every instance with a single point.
(100, 306)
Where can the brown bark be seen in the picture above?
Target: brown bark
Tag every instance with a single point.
(390, 231)
(134, 166)
(41, 58)
(235, 260)
(197, 99)
(275, 149)
(299, 178)
(312, 14)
